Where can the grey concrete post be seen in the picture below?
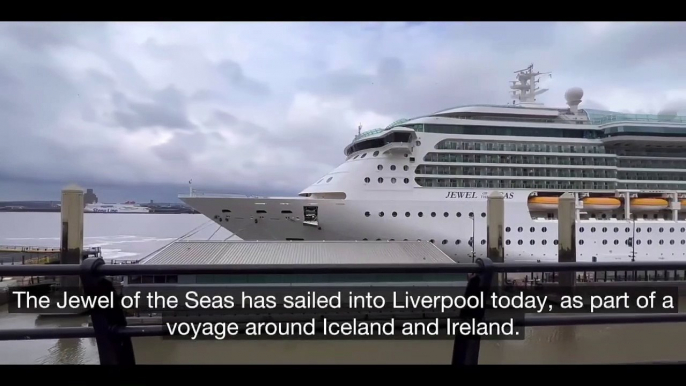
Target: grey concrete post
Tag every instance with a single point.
(71, 249)
(566, 236)
(495, 211)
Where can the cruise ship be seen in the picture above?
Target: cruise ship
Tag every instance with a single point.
(427, 178)
(116, 208)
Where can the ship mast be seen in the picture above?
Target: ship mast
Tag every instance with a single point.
(525, 89)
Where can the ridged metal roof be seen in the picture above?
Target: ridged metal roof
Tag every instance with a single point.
(298, 252)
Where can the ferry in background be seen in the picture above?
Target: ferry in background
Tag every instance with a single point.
(127, 207)
(428, 178)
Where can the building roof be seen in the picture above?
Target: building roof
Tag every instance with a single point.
(298, 252)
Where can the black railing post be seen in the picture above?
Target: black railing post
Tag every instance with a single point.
(113, 348)
(466, 348)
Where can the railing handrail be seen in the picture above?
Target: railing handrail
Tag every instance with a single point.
(113, 336)
(141, 269)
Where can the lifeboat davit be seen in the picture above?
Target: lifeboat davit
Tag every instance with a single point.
(649, 203)
(601, 203)
(543, 203)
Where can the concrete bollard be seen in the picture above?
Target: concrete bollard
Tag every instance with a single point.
(566, 236)
(495, 212)
(71, 247)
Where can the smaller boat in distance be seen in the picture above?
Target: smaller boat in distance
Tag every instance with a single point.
(127, 207)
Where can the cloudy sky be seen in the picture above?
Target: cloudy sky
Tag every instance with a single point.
(135, 110)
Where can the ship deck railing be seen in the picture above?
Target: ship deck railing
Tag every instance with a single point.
(113, 336)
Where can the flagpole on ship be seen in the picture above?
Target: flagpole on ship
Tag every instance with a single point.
(190, 187)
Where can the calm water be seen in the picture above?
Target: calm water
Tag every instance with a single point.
(134, 236)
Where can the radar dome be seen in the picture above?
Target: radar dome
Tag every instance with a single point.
(573, 95)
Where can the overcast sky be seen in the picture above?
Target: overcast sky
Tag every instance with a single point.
(135, 110)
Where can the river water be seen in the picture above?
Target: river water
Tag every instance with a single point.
(134, 236)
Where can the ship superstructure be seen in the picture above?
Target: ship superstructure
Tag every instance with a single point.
(427, 178)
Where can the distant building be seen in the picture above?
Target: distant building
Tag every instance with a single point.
(90, 197)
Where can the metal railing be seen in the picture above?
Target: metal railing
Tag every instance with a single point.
(113, 336)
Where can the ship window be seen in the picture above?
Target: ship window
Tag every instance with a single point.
(671, 229)
(356, 156)
(616, 242)
(683, 230)
(627, 230)
(380, 214)
(544, 242)
(662, 242)
(363, 155)
(555, 242)
(649, 242)
(520, 229)
(431, 241)
(459, 214)
(544, 229)
(604, 242)
(380, 180)
(406, 168)
(329, 179)
(581, 242)
(638, 230)
(433, 214)
(532, 242)
(604, 229)
(394, 214)
(471, 214)
(532, 229)
(367, 180)
(661, 229)
(419, 143)
(507, 229)
(581, 229)
(671, 242)
(407, 214)
(507, 242)
(380, 167)
(375, 153)
(411, 159)
(649, 230)
(367, 214)
(483, 214)
(393, 180)
(683, 242)
(446, 214)
(365, 239)
(616, 230)
(638, 242)
(483, 242)
(420, 214)
(407, 180)
(520, 242)
(457, 242)
(392, 167)
(592, 229)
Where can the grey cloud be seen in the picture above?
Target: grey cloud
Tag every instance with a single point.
(233, 72)
(167, 109)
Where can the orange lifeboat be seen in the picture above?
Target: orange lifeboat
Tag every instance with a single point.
(601, 203)
(543, 203)
(647, 204)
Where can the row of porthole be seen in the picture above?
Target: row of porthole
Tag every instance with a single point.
(376, 153)
(380, 167)
(421, 214)
(432, 241)
(627, 229)
(544, 242)
(380, 179)
(638, 242)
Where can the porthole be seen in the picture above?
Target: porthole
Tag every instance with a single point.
(638, 230)
(520, 229)
(649, 230)
(544, 229)
(431, 241)
(520, 242)
(507, 242)
(367, 214)
(483, 214)
(394, 214)
(471, 214)
(418, 143)
(592, 229)
(367, 180)
(555, 241)
(444, 242)
(649, 241)
(458, 214)
(392, 167)
(380, 214)
(661, 230)
(532, 229)
(380, 180)
(627, 230)
(380, 167)
(544, 242)
(604, 230)
(683, 230)
(616, 242)
(406, 180)
(604, 242)
(433, 214)
(683, 242)
(457, 242)
(671, 230)
(671, 242)
(356, 156)
(532, 242)
(393, 180)
(420, 214)
(638, 242)
(406, 168)
(581, 242)
(329, 179)
(483, 242)
(365, 239)
(581, 230)
(446, 214)
(407, 214)
(507, 229)
(363, 155)
(661, 242)
(375, 153)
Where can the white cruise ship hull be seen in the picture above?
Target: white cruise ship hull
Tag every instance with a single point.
(267, 219)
